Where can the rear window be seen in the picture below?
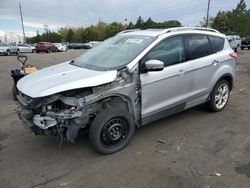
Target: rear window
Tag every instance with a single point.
(217, 43)
(41, 43)
(198, 46)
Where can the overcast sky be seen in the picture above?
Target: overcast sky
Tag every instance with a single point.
(60, 13)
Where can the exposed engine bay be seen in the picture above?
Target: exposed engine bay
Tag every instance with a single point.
(64, 114)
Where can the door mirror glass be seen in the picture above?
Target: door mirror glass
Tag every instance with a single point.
(154, 65)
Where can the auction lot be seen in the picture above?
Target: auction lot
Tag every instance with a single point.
(194, 148)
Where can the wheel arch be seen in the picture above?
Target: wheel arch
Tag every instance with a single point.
(120, 100)
(228, 77)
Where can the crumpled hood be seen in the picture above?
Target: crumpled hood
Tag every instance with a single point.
(62, 77)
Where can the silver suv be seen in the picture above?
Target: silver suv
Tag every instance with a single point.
(129, 80)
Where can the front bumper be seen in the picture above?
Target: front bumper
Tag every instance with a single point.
(43, 121)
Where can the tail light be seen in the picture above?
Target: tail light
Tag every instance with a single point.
(233, 55)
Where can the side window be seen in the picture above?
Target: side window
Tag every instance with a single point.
(170, 51)
(217, 43)
(198, 46)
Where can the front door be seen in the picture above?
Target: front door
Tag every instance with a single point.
(165, 92)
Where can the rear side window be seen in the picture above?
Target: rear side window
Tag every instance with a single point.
(198, 46)
(217, 43)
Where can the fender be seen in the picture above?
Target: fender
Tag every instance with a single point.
(225, 71)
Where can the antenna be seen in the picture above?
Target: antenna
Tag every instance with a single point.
(21, 14)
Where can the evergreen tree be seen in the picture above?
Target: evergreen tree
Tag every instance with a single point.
(139, 22)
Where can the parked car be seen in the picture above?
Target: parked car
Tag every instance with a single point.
(234, 41)
(130, 80)
(60, 47)
(4, 49)
(87, 46)
(45, 47)
(8, 49)
(245, 43)
(70, 45)
(26, 48)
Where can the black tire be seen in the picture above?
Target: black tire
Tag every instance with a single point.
(14, 92)
(37, 51)
(8, 52)
(236, 49)
(241, 48)
(107, 126)
(17, 52)
(211, 104)
(33, 51)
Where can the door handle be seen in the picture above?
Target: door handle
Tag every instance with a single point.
(215, 62)
(181, 72)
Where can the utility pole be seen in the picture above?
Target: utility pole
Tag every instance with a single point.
(208, 7)
(21, 14)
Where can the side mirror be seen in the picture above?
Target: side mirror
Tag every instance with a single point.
(154, 65)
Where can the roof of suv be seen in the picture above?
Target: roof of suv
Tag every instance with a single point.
(158, 32)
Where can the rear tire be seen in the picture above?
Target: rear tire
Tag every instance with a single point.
(111, 130)
(219, 96)
(17, 52)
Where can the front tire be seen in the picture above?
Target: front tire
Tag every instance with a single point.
(17, 52)
(219, 96)
(111, 130)
(8, 52)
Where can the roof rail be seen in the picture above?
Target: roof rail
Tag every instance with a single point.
(187, 29)
(128, 30)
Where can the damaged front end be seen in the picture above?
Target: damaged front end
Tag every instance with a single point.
(64, 114)
(58, 114)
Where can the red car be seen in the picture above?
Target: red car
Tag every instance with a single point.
(45, 47)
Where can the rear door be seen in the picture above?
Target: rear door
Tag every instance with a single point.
(165, 92)
(204, 58)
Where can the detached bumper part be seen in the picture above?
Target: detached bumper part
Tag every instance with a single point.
(72, 131)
